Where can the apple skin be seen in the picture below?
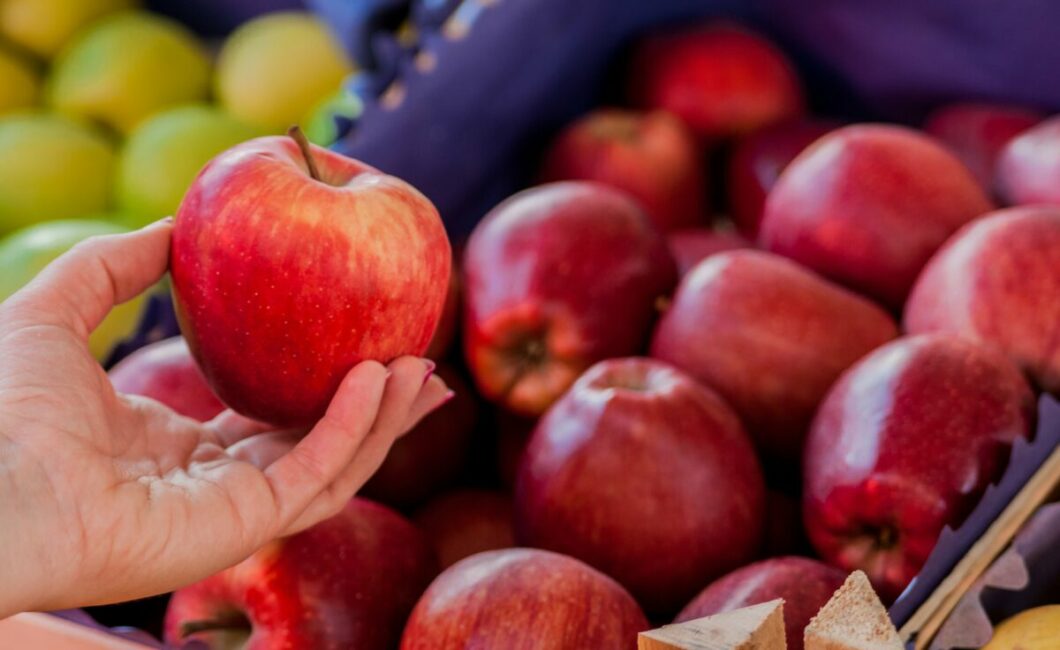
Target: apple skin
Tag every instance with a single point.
(804, 584)
(348, 582)
(449, 323)
(1028, 170)
(462, 523)
(646, 475)
(756, 162)
(545, 274)
(997, 281)
(432, 455)
(523, 599)
(773, 371)
(165, 371)
(653, 157)
(282, 283)
(867, 205)
(720, 79)
(904, 444)
(44, 27)
(19, 81)
(691, 246)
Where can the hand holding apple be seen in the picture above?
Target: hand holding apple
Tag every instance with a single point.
(166, 372)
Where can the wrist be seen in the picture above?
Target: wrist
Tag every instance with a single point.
(17, 565)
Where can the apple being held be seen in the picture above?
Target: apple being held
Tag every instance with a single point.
(691, 246)
(1028, 170)
(867, 205)
(904, 444)
(556, 278)
(998, 281)
(521, 599)
(348, 582)
(291, 264)
(465, 522)
(653, 157)
(166, 372)
(448, 324)
(646, 475)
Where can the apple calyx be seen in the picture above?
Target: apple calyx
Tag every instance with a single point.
(296, 134)
(234, 621)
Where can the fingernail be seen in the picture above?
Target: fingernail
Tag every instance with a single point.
(430, 371)
(448, 397)
(166, 220)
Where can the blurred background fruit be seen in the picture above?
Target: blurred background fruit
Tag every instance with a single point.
(1034, 629)
(43, 27)
(19, 81)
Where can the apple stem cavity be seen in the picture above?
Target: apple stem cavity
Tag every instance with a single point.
(296, 134)
(234, 621)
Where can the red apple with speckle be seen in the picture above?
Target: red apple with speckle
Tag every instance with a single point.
(523, 599)
(1028, 170)
(291, 264)
(867, 206)
(166, 372)
(462, 523)
(998, 281)
(646, 475)
(348, 582)
(449, 322)
(557, 278)
(693, 245)
(904, 444)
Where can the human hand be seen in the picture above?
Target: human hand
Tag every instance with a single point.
(106, 497)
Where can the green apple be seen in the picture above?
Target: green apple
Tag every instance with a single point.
(19, 81)
(164, 154)
(274, 70)
(44, 26)
(320, 127)
(51, 168)
(127, 67)
(25, 252)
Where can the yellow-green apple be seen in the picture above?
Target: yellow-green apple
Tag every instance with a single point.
(1028, 170)
(804, 584)
(523, 598)
(291, 264)
(127, 67)
(26, 252)
(462, 523)
(998, 281)
(770, 336)
(166, 372)
(652, 156)
(546, 273)
(691, 246)
(903, 445)
(162, 156)
(51, 168)
(867, 205)
(646, 475)
(722, 80)
(43, 27)
(348, 582)
(19, 81)
(274, 70)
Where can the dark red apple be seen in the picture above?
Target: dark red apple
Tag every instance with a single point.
(557, 278)
(520, 599)
(653, 157)
(904, 444)
(756, 162)
(693, 245)
(464, 522)
(804, 584)
(867, 206)
(1028, 170)
(998, 281)
(445, 333)
(431, 456)
(348, 582)
(770, 336)
(290, 265)
(721, 79)
(166, 372)
(978, 132)
(646, 475)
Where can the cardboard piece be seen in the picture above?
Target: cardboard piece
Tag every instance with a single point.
(852, 619)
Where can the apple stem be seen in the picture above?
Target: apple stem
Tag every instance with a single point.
(230, 622)
(295, 133)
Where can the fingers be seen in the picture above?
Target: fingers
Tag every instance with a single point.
(433, 394)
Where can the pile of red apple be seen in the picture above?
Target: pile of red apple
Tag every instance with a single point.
(658, 389)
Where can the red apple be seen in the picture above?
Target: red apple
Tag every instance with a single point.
(166, 372)
(904, 444)
(445, 333)
(461, 523)
(693, 245)
(756, 163)
(523, 598)
(653, 157)
(998, 281)
(646, 475)
(348, 582)
(557, 278)
(978, 133)
(722, 80)
(804, 584)
(1028, 170)
(770, 336)
(867, 205)
(432, 455)
(289, 268)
